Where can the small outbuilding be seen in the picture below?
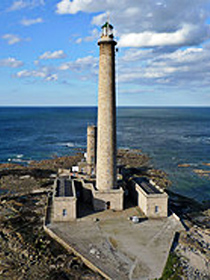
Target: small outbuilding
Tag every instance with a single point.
(64, 200)
(152, 200)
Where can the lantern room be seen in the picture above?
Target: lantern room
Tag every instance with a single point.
(107, 30)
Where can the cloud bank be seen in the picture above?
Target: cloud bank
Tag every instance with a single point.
(148, 23)
(162, 43)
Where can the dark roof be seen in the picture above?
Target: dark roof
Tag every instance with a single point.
(107, 24)
(64, 188)
(146, 186)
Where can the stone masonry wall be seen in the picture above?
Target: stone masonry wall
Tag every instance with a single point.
(64, 203)
(153, 205)
(91, 148)
(108, 200)
(106, 137)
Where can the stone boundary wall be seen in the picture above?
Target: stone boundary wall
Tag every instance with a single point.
(48, 210)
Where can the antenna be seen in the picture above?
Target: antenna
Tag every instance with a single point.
(108, 17)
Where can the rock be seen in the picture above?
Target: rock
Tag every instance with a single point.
(93, 251)
(25, 177)
(52, 266)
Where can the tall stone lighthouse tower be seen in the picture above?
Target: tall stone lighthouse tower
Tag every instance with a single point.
(106, 137)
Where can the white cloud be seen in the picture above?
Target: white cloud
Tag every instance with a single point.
(187, 68)
(79, 41)
(148, 22)
(53, 55)
(73, 7)
(88, 63)
(44, 73)
(13, 39)
(32, 73)
(11, 62)
(136, 54)
(22, 4)
(85, 68)
(53, 77)
(181, 37)
(189, 55)
(36, 62)
(18, 5)
(94, 36)
(28, 22)
(167, 36)
(100, 19)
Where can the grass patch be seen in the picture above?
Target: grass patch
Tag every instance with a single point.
(173, 269)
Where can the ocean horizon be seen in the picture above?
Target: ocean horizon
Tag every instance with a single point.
(170, 136)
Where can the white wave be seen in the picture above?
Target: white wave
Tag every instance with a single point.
(67, 144)
(125, 148)
(19, 156)
(19, 160)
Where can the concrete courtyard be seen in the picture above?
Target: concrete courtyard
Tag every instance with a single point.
(116, 247)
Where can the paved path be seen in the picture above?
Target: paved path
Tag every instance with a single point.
(120, 248)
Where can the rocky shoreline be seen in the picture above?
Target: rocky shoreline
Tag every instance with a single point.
(201, 172)
(26, 252)
(192, 247)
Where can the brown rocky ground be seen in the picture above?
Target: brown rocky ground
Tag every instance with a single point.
(203, 173)
(26, 252)
(194, 253)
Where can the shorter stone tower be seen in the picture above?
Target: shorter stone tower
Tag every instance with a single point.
(91, 149)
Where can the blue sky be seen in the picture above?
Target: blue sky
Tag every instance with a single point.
(49, 52)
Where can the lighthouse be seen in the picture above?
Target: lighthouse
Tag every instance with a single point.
(106, 177)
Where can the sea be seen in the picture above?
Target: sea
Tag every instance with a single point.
(169, 136)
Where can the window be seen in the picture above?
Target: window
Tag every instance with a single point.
(108, 205)
(64, 212)
(156, 209)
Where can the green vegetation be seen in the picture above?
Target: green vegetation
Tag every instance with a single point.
(173, 269)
